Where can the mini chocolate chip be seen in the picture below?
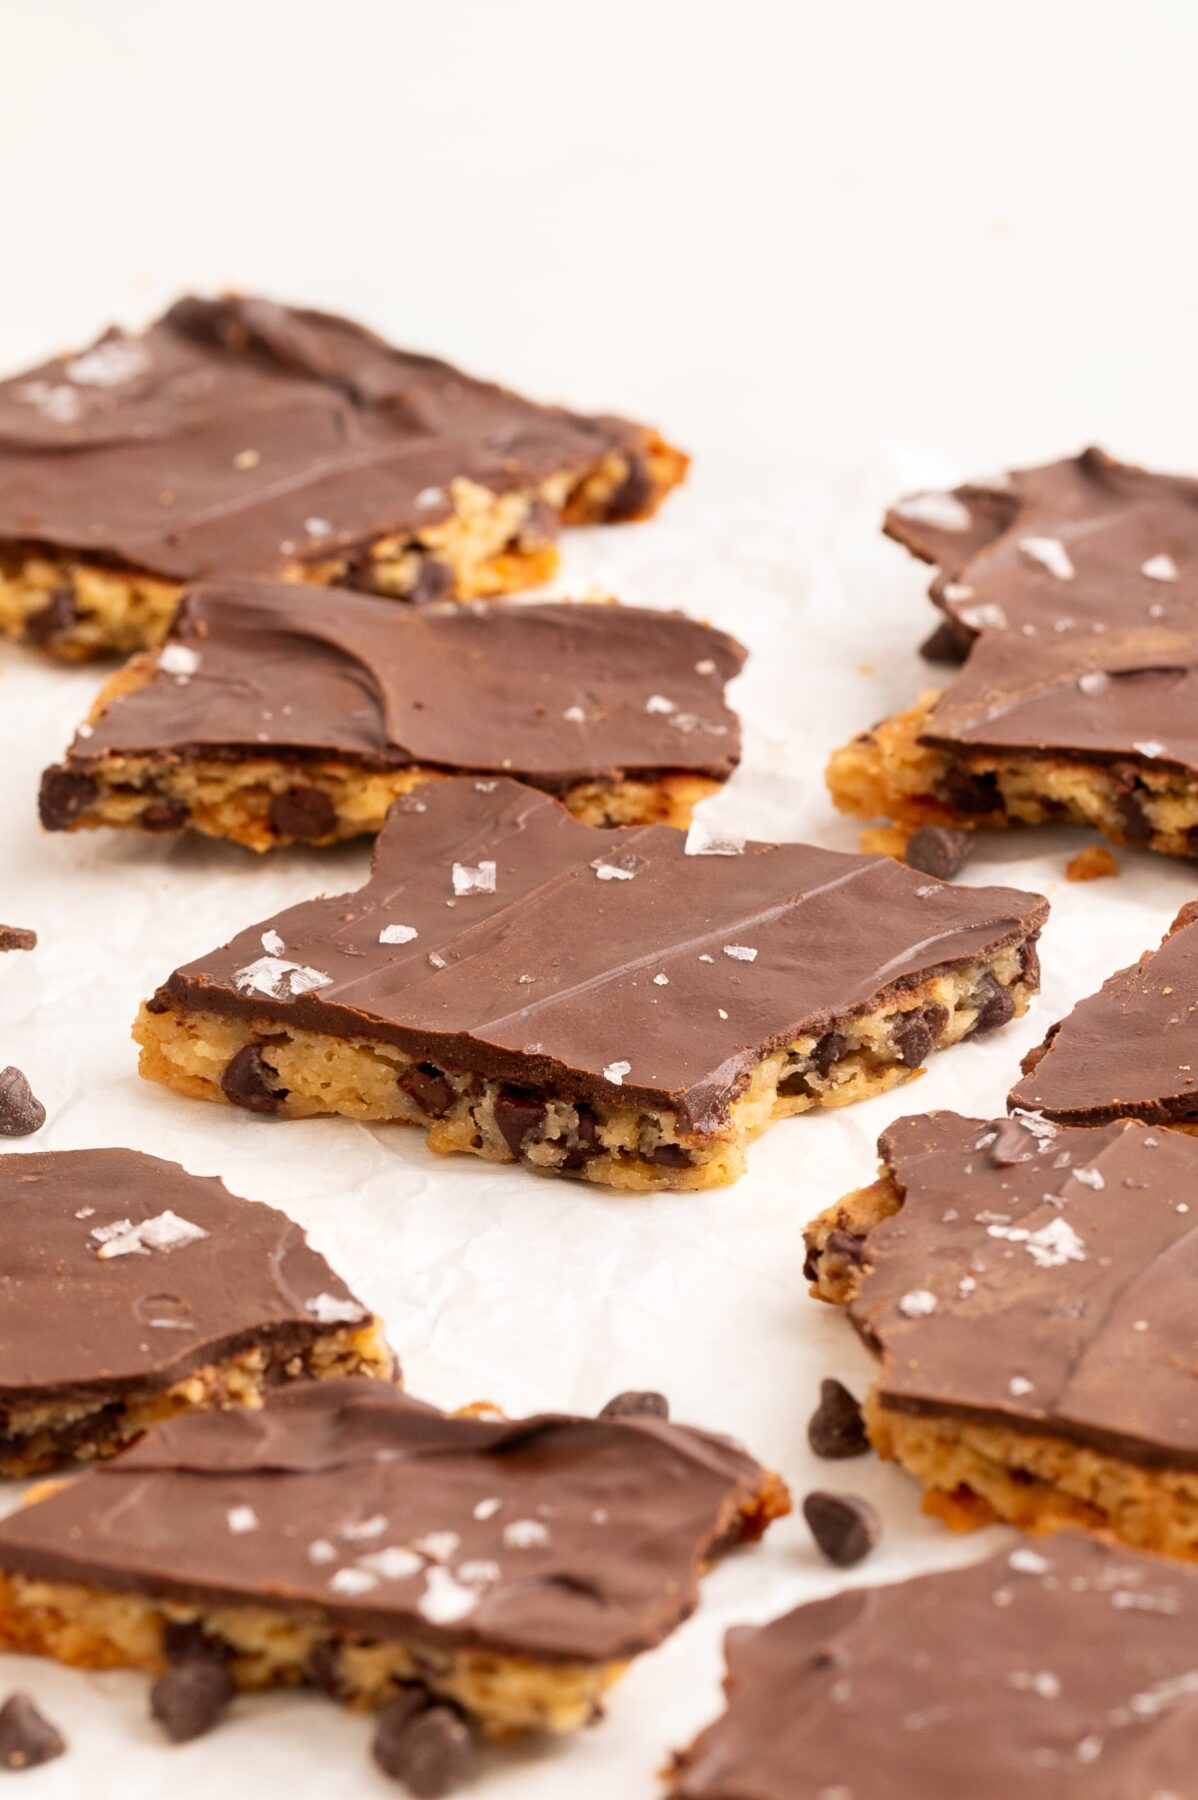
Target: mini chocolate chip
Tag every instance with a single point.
(20, 1112)
(970, 791)
(189, 1697)
(935, 850)
(634, 492)
(947, 644)
(246, 1082)
(836, 1428)
(303, 812)
(996, 1008)
(27, 1737)
(636, 1404)
(583, 1145)
(16, 937)
(164, 815)
(63, 796)
(845, 1527)
(430, 1089)
(517, 1114)
(832, 1048)
(56, 616)
(1014, 1143)
(429, 1750)
(669, 1156)
(434, 581)
(916, 1032)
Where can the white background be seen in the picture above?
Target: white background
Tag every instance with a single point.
(836, 250)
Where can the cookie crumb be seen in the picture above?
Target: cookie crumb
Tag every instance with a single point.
(1091, 864)
(17, 937)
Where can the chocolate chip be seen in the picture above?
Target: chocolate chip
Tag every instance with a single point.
(583, 1145)
(56, 616)
(428, 1750)
(16, 937)
(1137, 826)
(164, 815)
(916, 1032)
(947, 644)
(669, 1156)
(27, 1737)
(430, 1089)
(997, 1006)
(246, 1082)
(322, 1667)
(634, 492)
(1014, 1143)
(63, 796)
(303, 812)
(636, 1404)
(434, 581)
(189, 1697)
(848, 1244)
(1029, 964)
(541, 525)
(845, 1528)
(20, 1112)
(185, 1640)
(836, 1428)
(517, 1114)
(935, 850)
(832, 1048)
(969, 791)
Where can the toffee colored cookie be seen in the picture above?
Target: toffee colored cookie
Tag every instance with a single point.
(132, 1291)
(525, 987)
(1028, 1291)
(1073, 593)
(1128, 1051)
(16, 937)
(240, 437)
(1061, 1673)
(271, 715)
(351, 1536)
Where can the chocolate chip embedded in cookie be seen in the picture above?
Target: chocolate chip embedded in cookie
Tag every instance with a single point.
(524, 987)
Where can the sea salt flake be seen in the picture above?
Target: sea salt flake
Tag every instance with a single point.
(574, 715)
(445, 1600)
(1159, 568)
(279, 979)
(108, 365)
(178, 659)
(1020, 1385)
(242, 1519)
(438, 962)
(478, 1571)
(705, 667)
(622, 869)
(431, 496)
(707, 840)
(486, 1509)
(328, 1309)
(356, 1530)
(397, 934)
(477, 880)
(987, 615)
(943, 512)
(917, 1304)
(317, 528)
(166, 1231)
(353, 1582)
(1091, 1178)
(616, 1071)
(740, 952)
(657, 703)
(321, 1551)
(525, 1534)
(1094, 681)
(53, 399)
(956, 591)
(661, 981)
(393, 1563)
(1150, 747)
(1028, 1562)
(1051, 554)
(272, 943)
(438, 1546)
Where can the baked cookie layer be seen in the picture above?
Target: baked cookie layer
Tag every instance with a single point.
(1072, 595)
(270, 716)
(132, 1291)
(350, 1537)
(240, 437)
(525, 987)
(1027, 1288)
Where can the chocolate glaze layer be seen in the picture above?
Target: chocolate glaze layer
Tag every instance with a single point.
(1063, 1672)
(1078, 583)
(556, 692)
(1131, 1049)
(237, 436)
(551, 1537)
(75, 1323)
(549, 980)
(1081, 1245)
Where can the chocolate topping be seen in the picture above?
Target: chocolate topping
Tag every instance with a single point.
(556, 693)
(1080, 581)
(85, 1311)
(551, 1537)
(1131, 1049)
(1063, 1672)
(1050, 1294)
(522, 962)
(237, 436)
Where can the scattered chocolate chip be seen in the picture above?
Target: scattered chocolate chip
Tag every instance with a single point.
(836, 1428)
(935, 850)
(164, 815)
(27, 1737)
(434, 581)
(947, 644)
(430, 1089)
(51, 620)
(636, 1404)
(20, 1112)
(969, 791)
(16, 937)
(517, 1114)
(634, 492)
(916, 1032)
(429, 1750)
(303, 812)
(832, 1048)
(845, 1528)
(246, 1082)
(189, 1697)
(997, 1006)
(1013, 1144)
(63, 796)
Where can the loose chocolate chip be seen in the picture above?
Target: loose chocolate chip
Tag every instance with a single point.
(996, 1008)
(636, 1405)
(916, 1032)
(517, 1114)
(428, 1750)
(430, 1089)
(836, 1428)
(935, 850)
(634, 492)
(845, 1528)
(16, 937)
(63, 796)
(1014, 1143)
(947, 644)
(303, 812)
(27, 1737)
(164, 815)
(56, 616)
(20, 1112)
(246, 1082)
(832, 1048)
(969, 791)
(434, 581)
(583, 1145)
(189, 1697)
